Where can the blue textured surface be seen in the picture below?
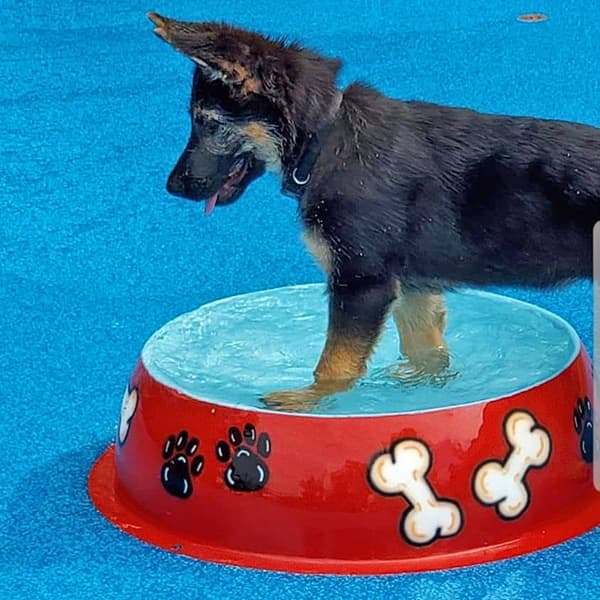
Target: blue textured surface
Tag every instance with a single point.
(94, 256)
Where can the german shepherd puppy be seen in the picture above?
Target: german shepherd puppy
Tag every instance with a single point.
(400, 201)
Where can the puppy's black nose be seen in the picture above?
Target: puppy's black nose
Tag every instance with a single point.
(182, 184)
(175, 185)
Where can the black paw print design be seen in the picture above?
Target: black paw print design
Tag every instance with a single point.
(181, 464)
(247, 471)
(582, 419)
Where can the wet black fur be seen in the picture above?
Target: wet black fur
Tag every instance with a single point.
(427, 196)
(440, 197)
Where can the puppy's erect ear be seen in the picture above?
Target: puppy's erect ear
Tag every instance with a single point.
(220, 51)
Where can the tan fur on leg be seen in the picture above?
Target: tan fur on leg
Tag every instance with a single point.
(344, 358)
(343, 361)
(421, 322)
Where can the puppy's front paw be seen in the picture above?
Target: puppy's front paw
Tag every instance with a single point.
(426, 367)
(305, 399)
(432, 360)
(300, 400)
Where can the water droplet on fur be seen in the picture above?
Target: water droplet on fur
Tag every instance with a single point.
(362, 182)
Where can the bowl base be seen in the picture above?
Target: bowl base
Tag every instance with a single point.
(121, 512)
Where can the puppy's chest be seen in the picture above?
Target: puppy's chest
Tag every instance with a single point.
(339, 239)
(320, 248)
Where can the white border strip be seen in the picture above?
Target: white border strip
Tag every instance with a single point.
(596, 360)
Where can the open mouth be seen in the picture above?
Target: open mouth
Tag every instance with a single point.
(231, 186)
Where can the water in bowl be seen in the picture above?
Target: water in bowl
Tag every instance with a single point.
(235, 350)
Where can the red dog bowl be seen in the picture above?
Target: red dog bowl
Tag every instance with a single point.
(387, 478)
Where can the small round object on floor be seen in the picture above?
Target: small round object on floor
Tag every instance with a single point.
(489, 463)
(532, 18)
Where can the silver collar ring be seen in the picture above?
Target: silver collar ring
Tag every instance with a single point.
(299, 181)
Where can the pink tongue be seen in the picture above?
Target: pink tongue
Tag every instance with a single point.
(210, 204)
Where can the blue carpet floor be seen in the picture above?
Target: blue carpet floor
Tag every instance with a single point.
(95, 256)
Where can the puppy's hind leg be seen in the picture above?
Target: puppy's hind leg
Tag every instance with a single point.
(421, 322)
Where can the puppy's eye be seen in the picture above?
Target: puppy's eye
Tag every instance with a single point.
(204, 123)
(208, 121)
(198, 117)
(210, 125)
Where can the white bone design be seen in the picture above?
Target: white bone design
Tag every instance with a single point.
(402, 472)
(503, 484)
(128, 408)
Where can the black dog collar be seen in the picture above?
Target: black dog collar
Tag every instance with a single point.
(299, 174)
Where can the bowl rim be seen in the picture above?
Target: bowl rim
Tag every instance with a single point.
(572, 334)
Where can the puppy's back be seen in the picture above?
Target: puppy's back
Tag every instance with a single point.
(465, 197)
